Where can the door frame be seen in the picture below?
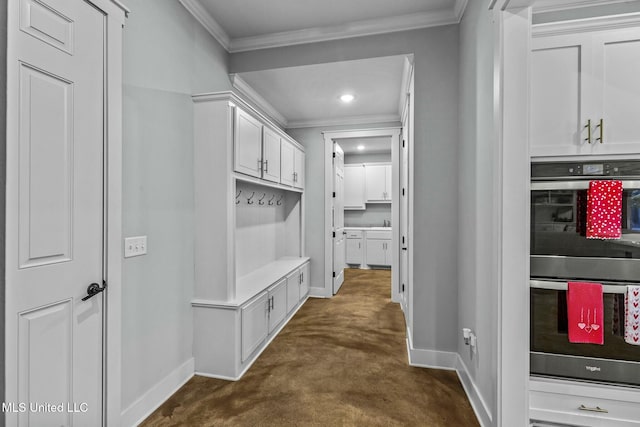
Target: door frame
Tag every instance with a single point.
(329, 136)
(115, 14)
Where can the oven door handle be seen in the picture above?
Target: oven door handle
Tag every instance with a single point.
(562, 286)
(576, 185)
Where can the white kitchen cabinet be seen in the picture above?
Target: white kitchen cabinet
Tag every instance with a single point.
(293, 290)
(378, 183)
(277, 304)
(378, 248)
(298, 168)
(355, 248)
(585, 94)
(354, 187)
(287, 160)
(271, 142)
(254, 324)
(247, 144)
(305, 272)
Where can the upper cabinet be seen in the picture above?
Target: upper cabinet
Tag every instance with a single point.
(248, 144)
(298, 168)
(270, 155)
(354, 187)
(292, 166)
(378, 179)
(585, 91)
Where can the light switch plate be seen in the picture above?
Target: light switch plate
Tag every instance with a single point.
(135, 246)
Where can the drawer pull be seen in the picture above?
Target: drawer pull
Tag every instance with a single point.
(596, 409)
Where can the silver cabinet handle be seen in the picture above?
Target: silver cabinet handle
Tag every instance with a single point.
(596, 409)
(600, 126)
(266, 166)
(259, 164)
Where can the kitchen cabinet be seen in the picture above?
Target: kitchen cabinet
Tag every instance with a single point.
(293, 290)
(355, 248)
(247, 144)
(378, 183)
(585, 94)
(298, 168)
(254, 324)
(292, 165)
(277, 304)
(271, 143)
(305, 272)
(354, 187)
(378, 248)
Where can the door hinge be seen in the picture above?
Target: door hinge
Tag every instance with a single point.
(334, 194)
(334, 234)
(403, 287)
(403, 240)
(334, 155)
(403, 191)
(403, 143)
(334, 274)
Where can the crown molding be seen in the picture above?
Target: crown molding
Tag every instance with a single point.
(590, 24)
(250, 93)
(203, 17)
(337, 32)
(542, 6)
(459, 7)
(340, 121)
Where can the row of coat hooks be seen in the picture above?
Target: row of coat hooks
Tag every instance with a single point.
(262, 199)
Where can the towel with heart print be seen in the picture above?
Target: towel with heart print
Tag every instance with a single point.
(584, 313)
(604, 210)
(632, 315)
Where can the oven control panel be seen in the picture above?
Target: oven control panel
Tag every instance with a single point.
(556, 170)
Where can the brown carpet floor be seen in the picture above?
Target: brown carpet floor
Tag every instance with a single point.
(339, 362)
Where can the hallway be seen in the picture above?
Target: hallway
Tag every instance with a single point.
(339, 361)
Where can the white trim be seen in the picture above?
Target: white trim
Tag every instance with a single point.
(250, 93)
(599, 23)
(459, 7)
(354, 29)
(211, 25)
(344, 120)
(541, 6)
(315, 292)
(405, 86)
(157, 395)
(121, 6)
(432, 359)
(483, 413)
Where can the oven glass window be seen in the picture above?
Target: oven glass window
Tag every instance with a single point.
(558, 226)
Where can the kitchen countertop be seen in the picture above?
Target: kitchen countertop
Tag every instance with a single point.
(369, 228)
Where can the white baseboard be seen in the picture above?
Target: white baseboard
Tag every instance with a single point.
(157, 395)
(483, 413)
(319, 292)
(452, 361)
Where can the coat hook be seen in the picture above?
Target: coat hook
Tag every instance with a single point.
(271, 199)
(260, 202)
(249, 201)
(279, 202)
(238, 195)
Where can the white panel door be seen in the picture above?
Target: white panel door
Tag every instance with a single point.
(293, 290)
(254, 318)
(270, 155)
(286, 163)
(278, 304)
(354, 251)
(375, 182)
(339, 241)
(404, 212)
(354, 187)
(247, 144)
(54, 224)
(298, 168)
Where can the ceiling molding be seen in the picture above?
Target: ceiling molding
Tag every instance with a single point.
(203, 17)
(353, 29)
(541, 6)
(586, 25)
(459, 7)
(347, 120)
(250, 93)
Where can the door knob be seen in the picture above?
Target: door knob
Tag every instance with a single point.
(94, 289)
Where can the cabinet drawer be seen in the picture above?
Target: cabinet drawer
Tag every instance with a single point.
(379, 235)
(354, 234)
(582, 410)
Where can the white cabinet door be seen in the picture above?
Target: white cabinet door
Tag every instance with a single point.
(305, 272)
(298, 168)
(254, 324)
(287, 156)
(354, 251)
(375, 182)
(376, 252)
(387, 182)
(293, 290)
(270, 155)
(247, 144)
(354, 187)
(277, 304)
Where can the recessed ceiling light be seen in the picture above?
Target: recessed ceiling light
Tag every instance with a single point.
(346, 98)
(360, 147)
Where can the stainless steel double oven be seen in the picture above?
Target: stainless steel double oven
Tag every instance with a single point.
(560, 252)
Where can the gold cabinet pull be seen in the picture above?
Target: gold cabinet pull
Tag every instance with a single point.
(601, 127)
(596, 409)
(588, 127)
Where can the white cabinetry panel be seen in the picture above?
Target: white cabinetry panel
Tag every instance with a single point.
(354, 251)
(278, 304)
(254, 324)
(248, 144)
(298, 168)
(376, 252)
(293, 290)
(378, 183)
(270, 155)
(354, 187)
(287, 163)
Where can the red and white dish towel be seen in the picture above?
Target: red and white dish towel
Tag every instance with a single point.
(585, 313)
(632, 315)
(604, 210)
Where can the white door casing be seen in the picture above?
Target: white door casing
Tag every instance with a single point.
(55, 210)
(339, 240)
(403, 274)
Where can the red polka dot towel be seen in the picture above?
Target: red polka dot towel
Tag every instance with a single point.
(604, 210)
(632, 320)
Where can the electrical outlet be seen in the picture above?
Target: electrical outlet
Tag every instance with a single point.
(135, 246)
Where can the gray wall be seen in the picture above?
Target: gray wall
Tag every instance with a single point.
(477, 285)
(3, 183)
(167, 57)
(376, 213)
(435, 50)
